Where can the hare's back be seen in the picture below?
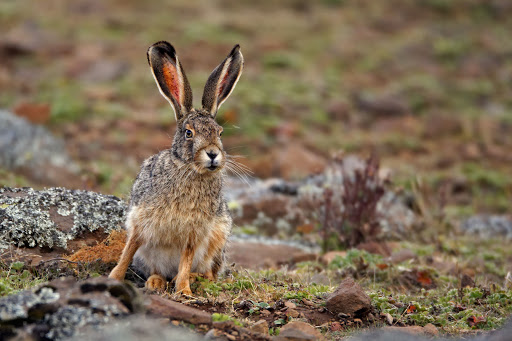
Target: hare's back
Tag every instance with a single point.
(154, 175)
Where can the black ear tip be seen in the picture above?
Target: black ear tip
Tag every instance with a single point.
(162, 48)
(235, 49)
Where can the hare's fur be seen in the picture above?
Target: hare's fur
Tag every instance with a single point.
(178, 220)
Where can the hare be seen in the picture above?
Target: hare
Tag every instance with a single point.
(178, 220)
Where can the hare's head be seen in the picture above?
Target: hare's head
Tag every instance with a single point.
(197, 139)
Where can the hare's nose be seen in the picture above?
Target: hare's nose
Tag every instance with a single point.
(212, 155)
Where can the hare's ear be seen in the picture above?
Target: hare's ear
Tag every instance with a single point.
(222, 81)
(170, 77)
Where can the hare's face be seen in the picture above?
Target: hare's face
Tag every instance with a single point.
(199, 137)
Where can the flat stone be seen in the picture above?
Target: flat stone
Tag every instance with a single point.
(413, 330)
(297, 330)
(162, 307)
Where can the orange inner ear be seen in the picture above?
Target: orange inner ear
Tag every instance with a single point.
(223, 83)
(171, 79)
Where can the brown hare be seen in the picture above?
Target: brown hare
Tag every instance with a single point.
(178, 220)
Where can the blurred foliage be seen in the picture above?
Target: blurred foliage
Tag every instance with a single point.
(428, 73)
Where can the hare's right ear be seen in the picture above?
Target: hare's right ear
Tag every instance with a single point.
(170, 77)
(222, 81)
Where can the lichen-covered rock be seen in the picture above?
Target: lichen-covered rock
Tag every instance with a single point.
(59, 309)
(17, 307)
(52, 217)
(279, 207)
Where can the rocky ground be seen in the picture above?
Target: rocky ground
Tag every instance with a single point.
(283, 289)
(424, 85)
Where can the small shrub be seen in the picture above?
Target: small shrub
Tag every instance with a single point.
(350, 209)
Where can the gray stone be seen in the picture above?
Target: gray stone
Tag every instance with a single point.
(162, 307)
(488, 226)
(23, 144)
(136, 328)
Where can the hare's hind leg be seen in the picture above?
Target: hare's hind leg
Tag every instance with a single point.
(215, 253)
(218, 262)
(183, 277)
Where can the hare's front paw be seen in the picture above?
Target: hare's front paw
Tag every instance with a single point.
(183, 286)
(184, 291)
(117, 274)
(156, 282)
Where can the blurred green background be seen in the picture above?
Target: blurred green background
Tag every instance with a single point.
(427, 84)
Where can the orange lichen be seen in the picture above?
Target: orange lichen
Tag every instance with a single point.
(109, 250)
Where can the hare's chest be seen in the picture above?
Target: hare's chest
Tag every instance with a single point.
(170, 224)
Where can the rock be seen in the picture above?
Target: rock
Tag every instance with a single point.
(413, 330)
(488, 226)
(279, 207)
(328, 257)
(382, 106)
(292, 313)
(430, 329)
(103, 71)
(265, 312)
(162, 307)
(136, 328)
(466, 281)
(389, 318)
(214, 334)
(401, 256)
(29, 37)
(53, 217)
(260, 327)
(60, 308)
(255, 255)
(290, 305)
(349, 298)
(32, 148)
(297, 330)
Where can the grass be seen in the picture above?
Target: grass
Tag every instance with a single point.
(16, 277)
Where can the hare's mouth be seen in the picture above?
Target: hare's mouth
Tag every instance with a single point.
(212, 167)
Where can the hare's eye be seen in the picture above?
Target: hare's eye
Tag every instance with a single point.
(188, 134)
(220, 134)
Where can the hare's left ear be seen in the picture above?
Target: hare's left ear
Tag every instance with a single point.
(222, 81)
